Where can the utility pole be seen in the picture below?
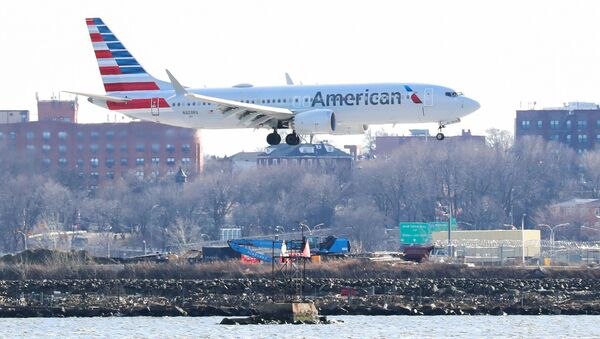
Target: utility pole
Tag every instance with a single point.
(450, 228)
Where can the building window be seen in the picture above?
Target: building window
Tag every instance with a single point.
(555, 137)
(94, 148)
(46, 135)
(79, 163)
(12, 135)
(123, 161)
(597, 137)
(540, 124)
(568, 137)
(554, 124)
(581, 124)
(94, 162)
(597, 123)
(580, 151)
(568, 124)
(80, 148)
(525, 124)
(62, 135)
(32, 147)
(582, 138)
(170, 161)
(109, 162)
(123, 134)
(110, 175)
(185, 148)
(30, 135)
(1, 136)
(24, 116)
(79, 135)
(46, 162)
(185, 161)
(62, 162)
(62, 148)
(46, 148)
(94, 135)
(110, 135)
(140, 147)
(170, 148)
(94, 175)
(155, 161)
(110, 148)
(139, 174)
(123, 148)
(139, 161)
(155, 148)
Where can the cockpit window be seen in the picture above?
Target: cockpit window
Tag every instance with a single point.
(453, 94)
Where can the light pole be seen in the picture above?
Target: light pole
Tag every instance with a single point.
(523, 238)
(552, 228)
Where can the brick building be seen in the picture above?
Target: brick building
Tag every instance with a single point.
(575, 124)
(321, 155)
(57, 110)
(98, 152)
(386, 145)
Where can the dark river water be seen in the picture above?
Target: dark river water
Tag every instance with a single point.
(353, 327)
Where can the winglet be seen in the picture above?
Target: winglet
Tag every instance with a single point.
(288, 79)
(179, 89)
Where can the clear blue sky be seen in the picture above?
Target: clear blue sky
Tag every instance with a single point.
(502, 53)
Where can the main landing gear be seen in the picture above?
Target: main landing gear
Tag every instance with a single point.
(291, 139)
(273, 138)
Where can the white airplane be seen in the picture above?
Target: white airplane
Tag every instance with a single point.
(303, 109)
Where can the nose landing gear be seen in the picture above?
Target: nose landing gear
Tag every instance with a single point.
(440, 136)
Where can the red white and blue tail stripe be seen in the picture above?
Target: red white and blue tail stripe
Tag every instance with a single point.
(120, 71)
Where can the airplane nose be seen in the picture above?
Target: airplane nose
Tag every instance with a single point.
(470, 105)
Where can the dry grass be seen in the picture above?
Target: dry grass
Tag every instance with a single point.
(78, 265)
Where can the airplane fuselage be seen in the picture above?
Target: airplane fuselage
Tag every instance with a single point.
(353, 104)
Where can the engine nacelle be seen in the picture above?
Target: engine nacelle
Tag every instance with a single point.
(315, 121)
(350, 129)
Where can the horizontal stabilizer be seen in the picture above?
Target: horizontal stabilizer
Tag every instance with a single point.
(100, 97)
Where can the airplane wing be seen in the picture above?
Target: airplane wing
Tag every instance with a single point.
(250, 115)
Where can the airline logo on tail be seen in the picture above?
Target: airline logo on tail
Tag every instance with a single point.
(119, 69)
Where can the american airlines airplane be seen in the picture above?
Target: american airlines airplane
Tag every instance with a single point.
(303, 109)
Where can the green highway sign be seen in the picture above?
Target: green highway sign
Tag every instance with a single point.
(419, 233)
(414, 233)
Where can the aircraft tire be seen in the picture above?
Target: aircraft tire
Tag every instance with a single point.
(273, 139)
(440, 136)
(292, 139)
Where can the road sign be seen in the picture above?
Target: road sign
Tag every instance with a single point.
(416, 233)
(438, 226)
(419, 233)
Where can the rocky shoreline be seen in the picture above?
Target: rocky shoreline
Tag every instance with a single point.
(241, 297)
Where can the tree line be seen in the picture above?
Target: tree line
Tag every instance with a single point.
(486, 185)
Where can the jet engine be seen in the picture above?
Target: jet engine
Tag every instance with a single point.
(350, 129)
(316, 121)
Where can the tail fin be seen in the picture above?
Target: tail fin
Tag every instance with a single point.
(120, 71)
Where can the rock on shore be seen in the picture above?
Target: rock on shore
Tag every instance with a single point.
(241, 297)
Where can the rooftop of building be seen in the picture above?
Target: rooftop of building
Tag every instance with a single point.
(567, 106)
(576, 202)
(304, 150)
